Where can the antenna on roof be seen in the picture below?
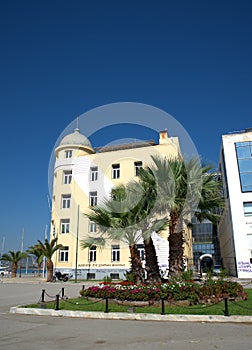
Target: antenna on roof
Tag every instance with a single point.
(77, 125)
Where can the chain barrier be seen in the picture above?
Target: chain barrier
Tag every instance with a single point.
(204, 306)
(52, 297)
(94, 302)
(241, 306)
(150, 302)
(61, 295)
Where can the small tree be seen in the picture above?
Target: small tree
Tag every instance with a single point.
(14, 257)
(48, 249)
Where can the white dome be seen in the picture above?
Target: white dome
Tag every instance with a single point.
(75, 138)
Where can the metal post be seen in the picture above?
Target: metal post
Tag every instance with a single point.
(77, 244)
(43, 296)
(226, 313)
(22, 247)
(83, 287)
(163, 307)
(106, 305)
(57, 303)
(62, 292)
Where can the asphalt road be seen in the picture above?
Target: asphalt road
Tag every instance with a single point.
(26, 332)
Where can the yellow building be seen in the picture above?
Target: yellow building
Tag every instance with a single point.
(83, 177)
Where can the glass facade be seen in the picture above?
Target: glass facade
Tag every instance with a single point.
(205, 241)
(244, 158)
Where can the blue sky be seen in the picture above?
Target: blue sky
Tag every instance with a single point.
(59, 59)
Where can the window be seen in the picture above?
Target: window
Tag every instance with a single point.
(92, 199)
(138, 166)
(66, 201)
(90, 276)
(94, 173)
(115, 253)
(114, 276)
(92, 226)
(63, 254)
(244, 158)
(92, 253)
(68, 153)
(115, 171)
(67, 177)
(247, 207)
(141, 251)
(65, 223)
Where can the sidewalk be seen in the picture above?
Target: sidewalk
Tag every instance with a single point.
(23, 279)
(42, 280)
(132, 316)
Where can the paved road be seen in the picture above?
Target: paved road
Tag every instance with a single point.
(25, 332)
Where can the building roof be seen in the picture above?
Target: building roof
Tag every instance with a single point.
(75, 138)
(125, 146)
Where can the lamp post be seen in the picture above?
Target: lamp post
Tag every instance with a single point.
(22, 247)
(77, 243)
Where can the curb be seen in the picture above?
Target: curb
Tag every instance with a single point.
(133, 316)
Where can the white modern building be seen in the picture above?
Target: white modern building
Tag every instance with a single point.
(235, 228)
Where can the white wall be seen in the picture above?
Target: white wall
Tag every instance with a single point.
(234, 226)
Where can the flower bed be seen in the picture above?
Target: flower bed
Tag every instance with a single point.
(209, 291)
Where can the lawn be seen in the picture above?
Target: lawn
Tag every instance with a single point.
(243, 307)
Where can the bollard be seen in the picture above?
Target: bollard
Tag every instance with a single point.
(106, 305)
(83, 287)
(62, 292)
(43, 296)
(226, 313)
(163, 307)
(57, 303)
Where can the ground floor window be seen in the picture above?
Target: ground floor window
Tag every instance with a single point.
(90, 276)
(114, 276)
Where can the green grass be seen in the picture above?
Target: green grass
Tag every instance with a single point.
(81, 304)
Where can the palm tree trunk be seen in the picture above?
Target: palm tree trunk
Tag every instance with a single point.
(14, 269)
(39, 269)
(136, 264)
(176, 246)
(49, 266)
(151, 263)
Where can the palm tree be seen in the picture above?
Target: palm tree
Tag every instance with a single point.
(36, 250)
(184, 188)
(118, 223)
(48, 248)
(125, 217)
(14, 257)
(149, 222)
